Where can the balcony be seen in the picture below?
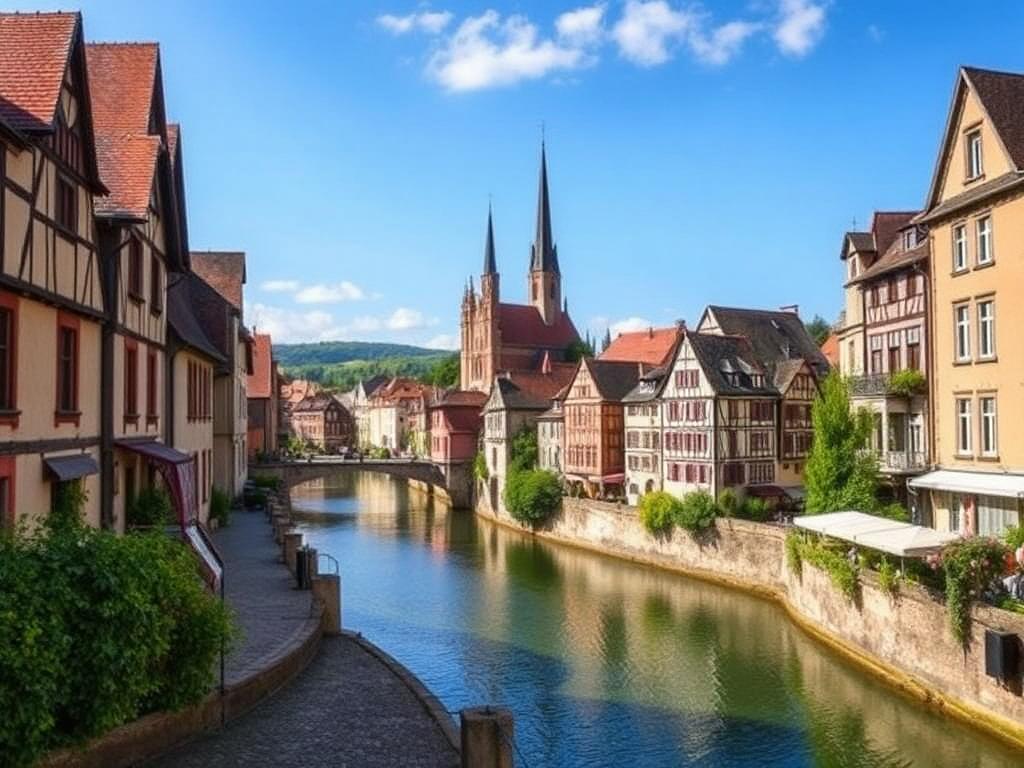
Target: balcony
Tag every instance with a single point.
(903, 461)
(881, 384)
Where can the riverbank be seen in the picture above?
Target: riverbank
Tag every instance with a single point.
(904, 641)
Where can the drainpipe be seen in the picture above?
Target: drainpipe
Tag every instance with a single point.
(108, 253)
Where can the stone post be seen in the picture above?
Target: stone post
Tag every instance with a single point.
(487, 734)
(327, 591)
(292, 542)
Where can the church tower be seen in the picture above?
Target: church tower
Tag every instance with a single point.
(481, 342)
(545, 280)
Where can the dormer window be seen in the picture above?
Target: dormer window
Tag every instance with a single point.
(909, 239)
(972, 145)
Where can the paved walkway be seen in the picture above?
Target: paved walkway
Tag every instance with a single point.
(346, 709)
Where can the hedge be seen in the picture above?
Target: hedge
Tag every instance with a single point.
(532, 495)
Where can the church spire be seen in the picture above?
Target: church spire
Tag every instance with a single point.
(490, 264)
(544, 256)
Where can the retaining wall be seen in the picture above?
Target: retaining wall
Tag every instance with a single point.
(906, 640)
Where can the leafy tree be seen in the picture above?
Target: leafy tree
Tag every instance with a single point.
(579, 349)
(607, 342)
(818, 329)
(444, 373)
(696, 512)
(524, 449)
(840, 473)
(532, 495)
(658, 511)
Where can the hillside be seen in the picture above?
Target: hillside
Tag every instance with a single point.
(340, 365)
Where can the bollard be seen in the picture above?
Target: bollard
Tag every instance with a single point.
(487, 734)
(301, 563)
(327, 592)
(292, 542)
(312, 565)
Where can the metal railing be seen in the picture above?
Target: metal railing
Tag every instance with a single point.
(901, 461)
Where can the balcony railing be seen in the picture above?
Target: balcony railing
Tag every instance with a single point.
(903, 461)
(872, 384)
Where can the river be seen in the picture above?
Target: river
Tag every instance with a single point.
(605, 662)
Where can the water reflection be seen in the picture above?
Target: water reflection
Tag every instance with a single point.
(605, 662)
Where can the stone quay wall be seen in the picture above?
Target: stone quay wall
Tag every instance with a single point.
(906, 640)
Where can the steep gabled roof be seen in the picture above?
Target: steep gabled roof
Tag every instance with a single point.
(36, 49)
(654, 346)
(182, 319)
(523, 325)
(460, 398)
(615, 379)
(730, 364)
(224, 270)
(534, 390)
(885, 226)
(895, 258)
(773, 335)
(260, 382)
(650, 385)
(830, 349)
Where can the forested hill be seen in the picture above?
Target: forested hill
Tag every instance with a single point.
(342, 364)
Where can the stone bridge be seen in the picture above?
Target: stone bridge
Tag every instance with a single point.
(454, 480)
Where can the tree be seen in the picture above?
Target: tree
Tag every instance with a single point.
(523, 453)
(578, 350)
(840, 474)
(818, 329)
(607, 342)
(444, 373)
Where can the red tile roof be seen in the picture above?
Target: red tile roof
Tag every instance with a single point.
(541, 386)
(461, 398)
(830, 349)
(523, 325)
(127, 165)
(260, 381)
(123, 81)
(173, 130)
(653, 346)
(224, 270)
(34, 52)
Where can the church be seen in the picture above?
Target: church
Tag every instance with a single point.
(498, 337)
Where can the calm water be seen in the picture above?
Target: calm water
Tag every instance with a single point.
(605, 663)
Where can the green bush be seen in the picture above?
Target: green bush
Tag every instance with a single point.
(696, 512)
(894, 511)
(825, 557)
(480, 471)
(220, 507)
(658, 511)
(270, 482)
(728, 503)
(523, 452)
(532, 495)
(755, 509)
(1014, 537)
(68, 503)
(907, 383)
(970, 565)
(152, 507)
(379, 452)
(794, 552)
(96, 630)
(888, 577)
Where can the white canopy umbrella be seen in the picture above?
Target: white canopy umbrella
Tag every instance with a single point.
(880, 533)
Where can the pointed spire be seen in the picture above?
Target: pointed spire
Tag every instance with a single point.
(544, 253)
(490, 264)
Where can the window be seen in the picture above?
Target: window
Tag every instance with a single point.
(8, 362)
(987, 328)
(732, 474)
(913, 285)
(156, 286)
(972, 145)
(762, 472)
(996, 514)
(135, 267)
(987, 406)
(959, 248)
(909, 239)
(914, 348)
(984, 230)
(65, 204)
(151, 386)
(963, 426)
(7, 507)
(962, 319)
(762, 410)
(131, 380)
(893, 290)
(894, 359)
(67, 366)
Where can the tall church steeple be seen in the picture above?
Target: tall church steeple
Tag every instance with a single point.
(490, 278)
(545, 279)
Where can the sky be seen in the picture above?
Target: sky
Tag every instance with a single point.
(699, 152)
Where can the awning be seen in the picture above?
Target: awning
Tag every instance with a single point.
(879, 533)
(982, 483)
(794, 492)
(178, 470)
(71, 467)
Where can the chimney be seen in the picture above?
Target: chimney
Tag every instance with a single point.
(650, 332)
(794, 308)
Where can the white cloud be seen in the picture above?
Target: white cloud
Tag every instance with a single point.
(647, 30)
(280, 286)
(431, 22)
(801, 26)
(443, 341)
(486, 51)
(630, 324)
(583, 26)
(723, 43)
(404, 319)
(330, 294)
(287, 326)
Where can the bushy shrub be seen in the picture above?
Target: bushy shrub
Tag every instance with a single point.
(1014, 537)
(794, 556)
(970, 565)
(271, 482)
(95, 630)
(220, 507)
(379, 452)
(888, 577)
(824, 556)
(151, 507)
(532, 495)
(728, 503)
(658, 511)
(893, 511)
(696, 512)
(480, 471)
(523, 452)
(754, 509)
(907, 382)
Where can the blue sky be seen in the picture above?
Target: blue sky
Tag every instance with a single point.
(699, 152)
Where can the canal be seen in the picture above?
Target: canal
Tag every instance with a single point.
(604, 662)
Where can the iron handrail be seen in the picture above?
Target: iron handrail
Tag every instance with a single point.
(330, 559)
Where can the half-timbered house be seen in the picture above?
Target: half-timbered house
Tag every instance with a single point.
(51, 291)
(322, 421)
(141, 243)
(595, 458)
(885, 331)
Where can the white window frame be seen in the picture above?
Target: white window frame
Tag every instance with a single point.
(959, 247)
(909, 239)
(983, 233)
(987, 329)
(964, 427)
(962, 332)
(975, 157)
(989, 426)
